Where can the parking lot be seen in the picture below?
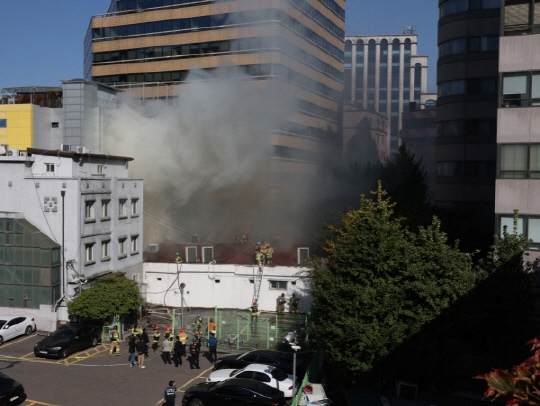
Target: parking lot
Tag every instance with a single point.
(92, 377)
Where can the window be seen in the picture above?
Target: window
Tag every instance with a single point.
(89, 253)
(122, 247)
(105, 215)
(3, 122)
(208, 254)
(519, 161)
(54, 124)
(105, 246)
(134, 244)
(528, 226)
(191, 255)
(521, 89)
(49, 169)
(521, 17)
(122, 208)
(134, 211)
(99, 169)
(89, 214)
(303, 255)
(282, 285)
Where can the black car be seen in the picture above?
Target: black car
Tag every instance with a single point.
(281, 360)
(233, 392)
(68, 339)
(11, 392)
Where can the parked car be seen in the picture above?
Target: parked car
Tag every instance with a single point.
(267, 374)
(11, 392)
(14, 326)
(68, 339)
(281, 360)
(233, 392)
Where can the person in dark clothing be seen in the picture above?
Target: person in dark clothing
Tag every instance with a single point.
(169, 396)
(194, 350)
(132, 348)
(141, 348)
(177, 357)
(212, 347)
(145, 340)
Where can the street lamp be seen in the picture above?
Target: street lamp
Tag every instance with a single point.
(182, 286)
(295, 348)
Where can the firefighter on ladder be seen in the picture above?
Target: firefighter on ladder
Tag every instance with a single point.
(259, 257)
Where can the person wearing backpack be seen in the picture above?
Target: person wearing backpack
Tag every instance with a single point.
(195, 350)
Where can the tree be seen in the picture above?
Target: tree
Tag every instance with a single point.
(380, 283)
(113, 295)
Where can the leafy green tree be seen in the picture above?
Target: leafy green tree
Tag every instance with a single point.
(113, 295)
(380, 283)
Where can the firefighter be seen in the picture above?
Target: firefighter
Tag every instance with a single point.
(268, 252)
(136, 331)
(254, 311)
(259, 257)
(281, 303)
(183, 339)
(155, 339)
(178, 259)
(198, 322)
(115, 342)
(293, 304)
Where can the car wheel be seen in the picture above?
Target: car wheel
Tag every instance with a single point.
(1, 340)
(28, 330)
(64, 353)
(94, 341)
(196, 402)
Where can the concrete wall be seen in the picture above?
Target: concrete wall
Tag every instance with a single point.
(224, 286)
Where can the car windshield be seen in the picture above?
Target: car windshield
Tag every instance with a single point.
(64, 333)
(279, 374)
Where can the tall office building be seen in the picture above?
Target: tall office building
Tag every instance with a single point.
(148, 47)
(518, 139)
(467, 74)
(384, 74)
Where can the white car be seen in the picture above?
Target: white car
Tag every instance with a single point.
(267, 374)
(14, 326)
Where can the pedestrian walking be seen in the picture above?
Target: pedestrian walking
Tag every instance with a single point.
(194, 350)
(115, 342)
(169, 396)
(132, 349)
(166, 350)
(177, 350)
(212, 347)
(141, 349)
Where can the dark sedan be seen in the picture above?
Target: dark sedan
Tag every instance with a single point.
(278, 359)
(11, 392)
(233, 392)
(68, 339)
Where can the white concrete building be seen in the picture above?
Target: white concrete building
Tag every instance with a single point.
(85, 203)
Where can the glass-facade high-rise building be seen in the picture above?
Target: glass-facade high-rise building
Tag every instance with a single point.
(148, 48)
(384, 74)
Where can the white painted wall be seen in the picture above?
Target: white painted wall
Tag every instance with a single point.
(233, 291)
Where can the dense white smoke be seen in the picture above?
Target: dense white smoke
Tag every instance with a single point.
(204, 157)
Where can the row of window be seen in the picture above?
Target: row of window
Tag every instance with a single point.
(521, 17)
(519, 161)
(121, 249)
(521, 89)
(456, 128)
(488, 43)
(216, 47)
(90, 212)
(457, 6)
(169, 27)
(469, 169)
(528, 226)
(468, 86)
(135, 5)
(49, 168)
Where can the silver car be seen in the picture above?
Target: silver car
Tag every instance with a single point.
(14, 326)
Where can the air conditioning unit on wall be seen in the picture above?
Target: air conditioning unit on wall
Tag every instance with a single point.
(81, 150)
(65, 147)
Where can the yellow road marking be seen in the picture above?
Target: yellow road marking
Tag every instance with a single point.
(37, 402)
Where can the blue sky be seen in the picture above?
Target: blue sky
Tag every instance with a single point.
(42, 40)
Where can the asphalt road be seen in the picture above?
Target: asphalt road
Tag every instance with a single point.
(92, 377)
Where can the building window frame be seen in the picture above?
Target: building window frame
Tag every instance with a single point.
(105, 250)
(105, 210)
(134, 244)
(89, 211)
(49, 168)
(122, 252)
(122, 210)
(278, 284)
(89, 253)
(518, 161)
(134, 207)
